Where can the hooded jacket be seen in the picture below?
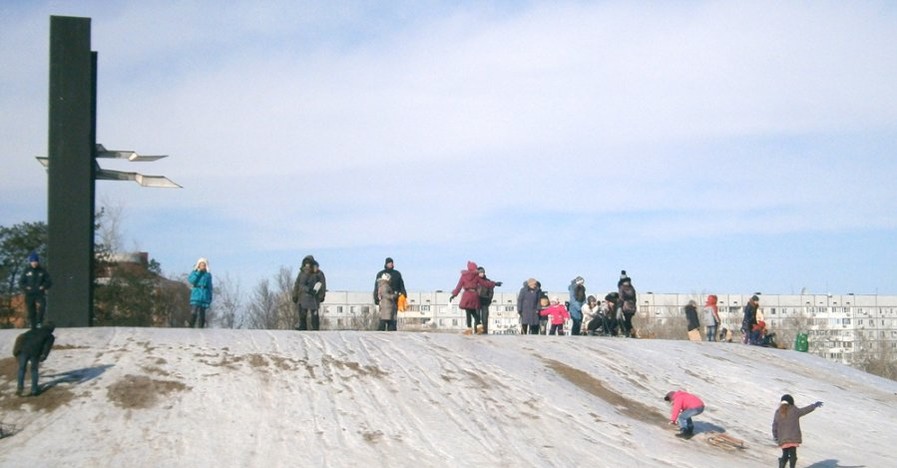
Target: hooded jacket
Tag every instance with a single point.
(691, 315)
(470, 279)
(201, 282)
(786, 427)
(35, 343)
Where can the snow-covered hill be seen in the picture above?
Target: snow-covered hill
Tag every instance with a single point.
(178, 397)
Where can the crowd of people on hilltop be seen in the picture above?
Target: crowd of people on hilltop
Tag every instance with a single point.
(538, 314)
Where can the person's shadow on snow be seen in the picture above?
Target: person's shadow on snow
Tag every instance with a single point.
(703, 426)
(832, 464)
(75, 376)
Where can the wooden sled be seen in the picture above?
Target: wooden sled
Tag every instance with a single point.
(725, 441)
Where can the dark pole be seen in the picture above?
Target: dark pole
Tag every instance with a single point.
(70, 204)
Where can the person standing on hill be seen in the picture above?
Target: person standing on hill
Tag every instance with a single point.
(395, 280)
(32, 347)
(750, 319)
(386, 297)
(694, 327)
(35, 282)
(786, 428)
(528, 307)
(685, 406)
(628, 302)
(577, 290)
(711, 317)
(470, 301)
(200, 280)
(611, 306)
(308, 292)
(485, 293)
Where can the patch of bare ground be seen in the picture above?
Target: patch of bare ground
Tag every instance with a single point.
(49, 400)
(226, 360)
(141, 392)
(67, 346)
(358, 369)
(586, 382)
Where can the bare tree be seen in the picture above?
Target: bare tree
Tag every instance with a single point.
(273, 308)
(228, 304)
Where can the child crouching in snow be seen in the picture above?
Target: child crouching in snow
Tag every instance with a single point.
(558, 314)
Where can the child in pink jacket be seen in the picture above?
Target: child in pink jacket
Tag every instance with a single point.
(559, 315)
(685, 406)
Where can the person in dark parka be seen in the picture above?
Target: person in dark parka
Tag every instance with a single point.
(395, 280)
(528, 307)
(309, 292)
(35, 282)
(691, 316)
(33, 347)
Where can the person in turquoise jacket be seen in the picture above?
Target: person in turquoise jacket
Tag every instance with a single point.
(201, 295)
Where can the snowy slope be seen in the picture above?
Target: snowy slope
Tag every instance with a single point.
(179, 397)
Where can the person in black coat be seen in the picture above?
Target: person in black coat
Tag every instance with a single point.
(33, 346)
(35, 282)
(395, 280)
(691, 315)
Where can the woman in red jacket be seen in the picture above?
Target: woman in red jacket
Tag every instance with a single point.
(470, 300)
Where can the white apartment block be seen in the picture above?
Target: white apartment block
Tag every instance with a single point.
(837, 325)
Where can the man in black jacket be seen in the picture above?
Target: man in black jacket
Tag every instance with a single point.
(33, 346)
(395, 280)
(35, 282)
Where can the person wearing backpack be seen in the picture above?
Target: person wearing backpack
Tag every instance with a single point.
(577, 291)
(628, 302)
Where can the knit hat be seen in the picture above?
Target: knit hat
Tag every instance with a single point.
(387, 262)
(787, 399)
(481, 269)
(33, 257)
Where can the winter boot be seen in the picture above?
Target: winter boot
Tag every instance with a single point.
(468, 331)
(480, 330)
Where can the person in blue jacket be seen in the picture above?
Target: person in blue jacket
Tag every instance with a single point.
(201, 295)
(577, 291)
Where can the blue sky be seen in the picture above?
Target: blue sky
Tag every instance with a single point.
(702, 146)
